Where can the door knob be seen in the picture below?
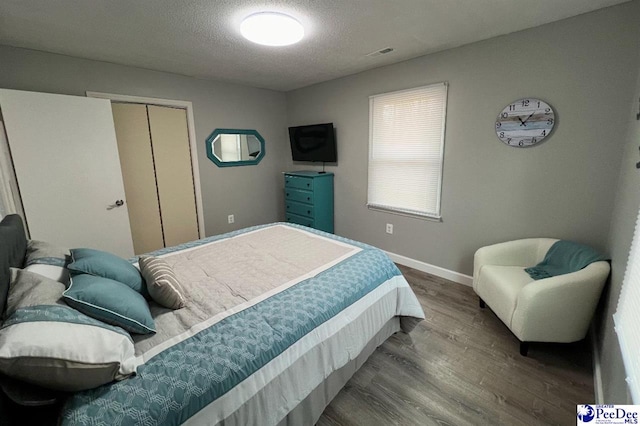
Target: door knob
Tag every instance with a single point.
(118, 203)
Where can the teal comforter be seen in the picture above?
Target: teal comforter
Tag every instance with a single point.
(174, 385)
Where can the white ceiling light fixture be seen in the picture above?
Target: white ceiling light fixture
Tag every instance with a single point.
(272, 29)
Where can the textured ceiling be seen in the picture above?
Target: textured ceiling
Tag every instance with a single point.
(201, 38)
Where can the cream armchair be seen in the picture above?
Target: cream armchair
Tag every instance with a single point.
(556, 309)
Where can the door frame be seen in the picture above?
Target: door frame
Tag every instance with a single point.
(193, 144)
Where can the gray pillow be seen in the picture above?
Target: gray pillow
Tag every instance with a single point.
(32, 289)
(46, 343)
(46, 253)
(162, 283)
(48, 259)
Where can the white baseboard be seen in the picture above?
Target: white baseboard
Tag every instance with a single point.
(597, 370)
(432, 269)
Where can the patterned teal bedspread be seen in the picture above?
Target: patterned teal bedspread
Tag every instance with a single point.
(174, 385)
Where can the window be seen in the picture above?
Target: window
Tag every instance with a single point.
(626, 317)
(406, 145)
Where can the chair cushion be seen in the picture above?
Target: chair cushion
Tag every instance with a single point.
(499, 286)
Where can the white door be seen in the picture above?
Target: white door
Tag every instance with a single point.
(65, 155)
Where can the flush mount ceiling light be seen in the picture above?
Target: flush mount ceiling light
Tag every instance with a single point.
(271, 29)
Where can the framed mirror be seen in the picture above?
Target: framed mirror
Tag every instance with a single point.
(235, 147)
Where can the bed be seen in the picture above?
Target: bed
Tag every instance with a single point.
(278, 318)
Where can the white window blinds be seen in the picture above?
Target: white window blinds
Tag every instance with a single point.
(627, 317)
(406, 144)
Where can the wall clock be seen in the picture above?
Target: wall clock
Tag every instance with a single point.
(525, 122)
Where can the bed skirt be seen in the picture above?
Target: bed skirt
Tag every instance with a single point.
(309, 410)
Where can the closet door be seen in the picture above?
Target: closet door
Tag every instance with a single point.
(136, 159)
(174, 174)
(66, 160)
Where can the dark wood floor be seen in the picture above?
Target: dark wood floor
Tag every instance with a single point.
(462, 367)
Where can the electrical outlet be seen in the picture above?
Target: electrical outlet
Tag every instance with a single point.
(231, 218)
(389, 228)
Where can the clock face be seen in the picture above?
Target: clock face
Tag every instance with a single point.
(525, 122)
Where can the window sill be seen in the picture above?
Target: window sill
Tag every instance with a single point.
(401, 213)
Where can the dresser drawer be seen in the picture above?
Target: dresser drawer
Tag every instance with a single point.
(299, 182)
(299, 209)
(294, 218)
(298, 195)
(308, 199)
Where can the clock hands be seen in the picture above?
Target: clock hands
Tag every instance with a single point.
(524, 123)
(530, 115)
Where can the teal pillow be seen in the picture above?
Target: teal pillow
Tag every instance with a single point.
(110, 301)
(107, 265)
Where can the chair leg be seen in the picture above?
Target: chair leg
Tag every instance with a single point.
(524, 348)
(482, 304)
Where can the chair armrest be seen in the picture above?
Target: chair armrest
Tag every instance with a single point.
(525, 253)
(560, 308)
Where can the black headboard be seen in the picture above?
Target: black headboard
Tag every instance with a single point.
(13, 246)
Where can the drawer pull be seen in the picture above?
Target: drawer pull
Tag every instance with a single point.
(308, 198)
(288, 207)
(287, 194)
(307, 184)
(308, 211)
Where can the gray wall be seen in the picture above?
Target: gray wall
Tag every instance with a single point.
(252, 193)
(491, 192)
(622, 226)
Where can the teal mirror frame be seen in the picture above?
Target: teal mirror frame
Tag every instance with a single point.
(212, 137)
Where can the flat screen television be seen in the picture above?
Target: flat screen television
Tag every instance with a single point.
(315, 142)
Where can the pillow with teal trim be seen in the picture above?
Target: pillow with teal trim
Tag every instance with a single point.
(47, 259)
(32, 289)
(46, 343)
(107, 265)
(45, 253)
(110, 301)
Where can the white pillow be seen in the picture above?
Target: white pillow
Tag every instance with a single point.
(49, 344)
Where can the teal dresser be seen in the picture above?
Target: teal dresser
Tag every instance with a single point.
(308, 199)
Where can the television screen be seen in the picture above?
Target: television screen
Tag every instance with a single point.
(313, 143)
